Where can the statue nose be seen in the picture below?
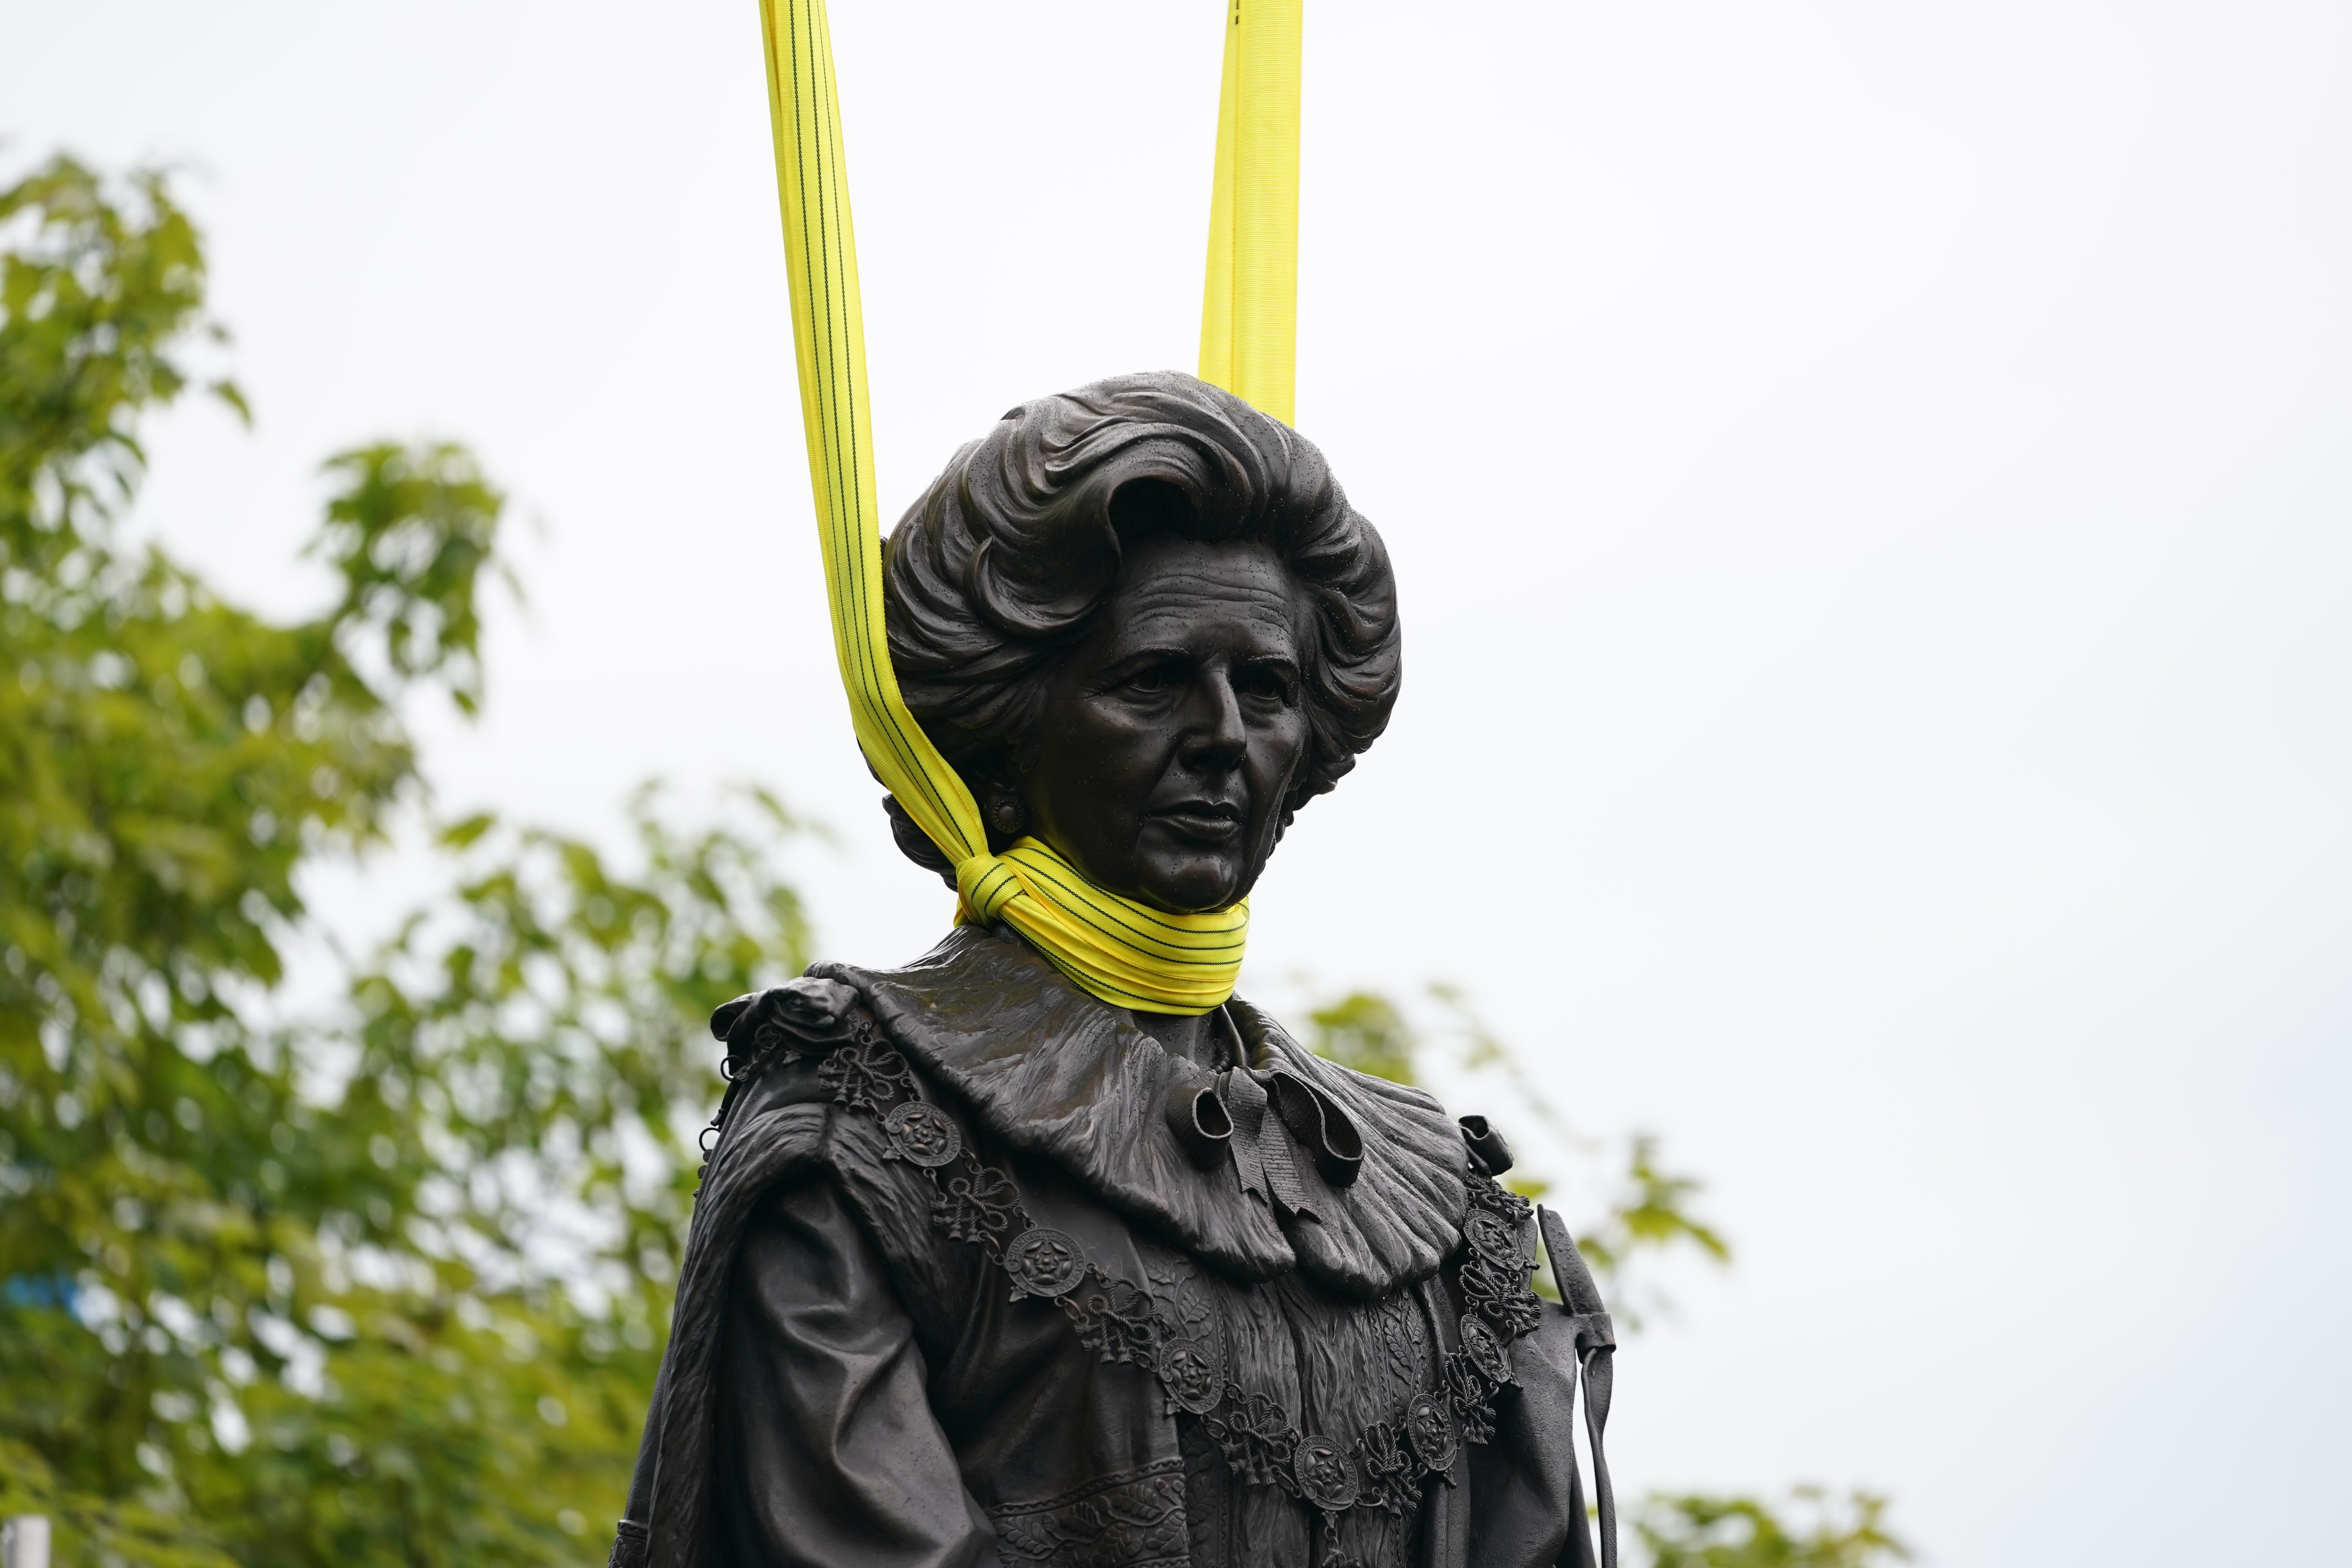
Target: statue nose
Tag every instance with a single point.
(1218, 740)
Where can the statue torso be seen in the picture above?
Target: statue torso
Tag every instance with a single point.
(968, 1255)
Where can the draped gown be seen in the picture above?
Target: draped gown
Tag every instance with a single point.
(980, 1274)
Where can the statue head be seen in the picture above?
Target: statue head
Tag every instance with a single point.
(1142, 621)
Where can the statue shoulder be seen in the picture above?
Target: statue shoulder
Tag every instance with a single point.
(808, 1066)
(813, 1040)
(805, 1016)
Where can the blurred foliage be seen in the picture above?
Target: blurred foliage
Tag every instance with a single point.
(1642, 1211)
(409, 534)
(1365, 1031)
(1650, 1212)
(97, 289)
(385, 1287)
(1691, 1531)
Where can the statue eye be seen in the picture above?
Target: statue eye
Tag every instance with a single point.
(1268, 682)
(1151, 681)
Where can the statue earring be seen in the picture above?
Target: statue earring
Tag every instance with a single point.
(1007, 814)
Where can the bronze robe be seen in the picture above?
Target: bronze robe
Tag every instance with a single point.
(976, 1276)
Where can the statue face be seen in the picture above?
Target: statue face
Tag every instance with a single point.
(1171, 734)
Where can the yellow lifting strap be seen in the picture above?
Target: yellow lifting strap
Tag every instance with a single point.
(1249, 310)
(1123, 952)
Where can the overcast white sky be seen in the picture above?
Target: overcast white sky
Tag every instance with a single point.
(1869, 484)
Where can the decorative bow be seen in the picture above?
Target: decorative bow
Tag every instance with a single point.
(1228, 1119)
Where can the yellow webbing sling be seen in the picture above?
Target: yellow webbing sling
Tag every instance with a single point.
(1249, 310)
(1123, 952)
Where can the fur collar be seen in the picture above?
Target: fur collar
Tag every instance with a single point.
(1053, 1072)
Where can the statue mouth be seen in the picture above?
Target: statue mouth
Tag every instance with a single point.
(1204, 821)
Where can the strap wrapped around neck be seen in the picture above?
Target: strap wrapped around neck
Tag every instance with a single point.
(1127, 954)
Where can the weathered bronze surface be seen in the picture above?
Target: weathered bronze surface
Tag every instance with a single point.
(986, 1270)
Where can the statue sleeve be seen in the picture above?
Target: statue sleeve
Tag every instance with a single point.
(829, 1454)
(1529, 1504)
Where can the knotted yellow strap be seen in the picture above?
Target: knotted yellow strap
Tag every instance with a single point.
(1122, 951)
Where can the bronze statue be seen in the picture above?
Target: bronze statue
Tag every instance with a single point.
(984, 1270)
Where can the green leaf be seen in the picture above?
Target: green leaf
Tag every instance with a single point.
(1365, 1031)
(1696, 1530)
(263, 1286)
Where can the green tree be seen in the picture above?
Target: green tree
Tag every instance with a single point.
(1695, 1530)
(381, 1286)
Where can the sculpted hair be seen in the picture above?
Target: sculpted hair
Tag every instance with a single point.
(1007, 561)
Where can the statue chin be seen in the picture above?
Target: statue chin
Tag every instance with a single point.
(1187, 884)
